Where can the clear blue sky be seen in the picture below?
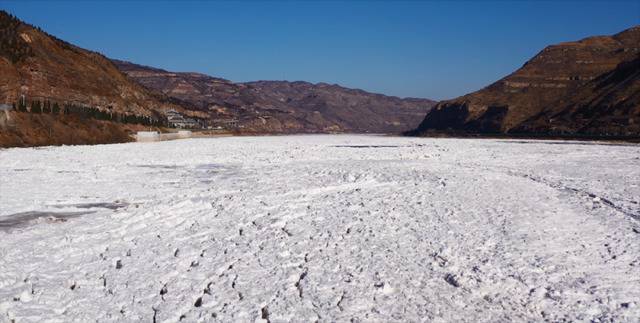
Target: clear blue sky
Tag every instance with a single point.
(420, 48)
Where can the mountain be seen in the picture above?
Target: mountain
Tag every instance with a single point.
(283, 107)
(583, 88)
(36, 64)
(77, 89)
(607, 106)
(38, 68)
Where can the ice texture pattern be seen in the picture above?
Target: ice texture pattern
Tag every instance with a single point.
(321, 228)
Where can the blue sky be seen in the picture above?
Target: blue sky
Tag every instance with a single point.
(417, 48)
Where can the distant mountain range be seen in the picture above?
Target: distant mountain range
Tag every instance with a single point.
(95, 102)
(52, 92)
(588, 88)
(283, 107)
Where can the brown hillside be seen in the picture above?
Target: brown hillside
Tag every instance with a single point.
(283, 107)
(28, 129)
(560, 75)
(38, 65)
(609, 105)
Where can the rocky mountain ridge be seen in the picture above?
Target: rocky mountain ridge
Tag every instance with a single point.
(282, 106)
(551, 93)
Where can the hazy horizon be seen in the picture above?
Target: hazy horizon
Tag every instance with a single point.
(435, 50)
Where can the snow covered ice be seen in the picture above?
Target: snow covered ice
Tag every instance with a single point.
(321, 228)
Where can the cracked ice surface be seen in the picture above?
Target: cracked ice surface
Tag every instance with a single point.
(327, 228)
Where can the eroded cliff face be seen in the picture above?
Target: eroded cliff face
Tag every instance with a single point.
(561, 75)
(609, 105)
(284, 107)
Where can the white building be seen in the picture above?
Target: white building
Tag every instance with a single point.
(179, 121)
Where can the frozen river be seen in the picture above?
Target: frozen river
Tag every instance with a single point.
(321, 228)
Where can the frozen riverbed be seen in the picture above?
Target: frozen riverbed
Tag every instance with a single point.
(321, 228)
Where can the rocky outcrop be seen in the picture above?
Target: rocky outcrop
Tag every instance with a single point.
(583, 88)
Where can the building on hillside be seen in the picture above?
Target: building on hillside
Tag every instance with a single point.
(225, 124)
(177, 120)
(233, 123)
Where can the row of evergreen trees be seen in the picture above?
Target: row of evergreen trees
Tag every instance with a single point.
(87, 112)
